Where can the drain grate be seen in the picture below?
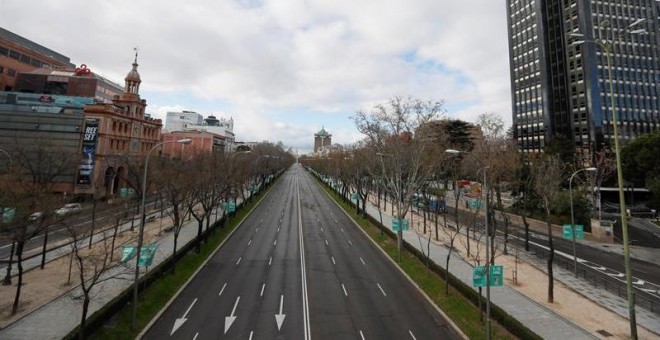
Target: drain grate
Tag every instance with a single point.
(604, 333)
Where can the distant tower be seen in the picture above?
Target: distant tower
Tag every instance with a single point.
(322, 140)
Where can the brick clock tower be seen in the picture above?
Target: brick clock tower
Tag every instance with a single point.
(322, 140)
(113, 134)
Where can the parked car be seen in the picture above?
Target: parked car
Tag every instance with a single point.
(35, 216)
(69, 209)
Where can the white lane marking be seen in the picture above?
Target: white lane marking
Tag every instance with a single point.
(321, 229)
(326, 242)
(278, 229)
(249, 242)
(344, 288)
(303, 271)
(361, 335)
(230, 319)
(349, 242)
(263, 286)
(381, 289)
(179, 322)
(364, 263)
(195, 337)
(275, 243)
(279, 318)
(223, 289)
(251, 333)
(342, 229)
(256, 229)
(412, 335)
(270, 261)
(239, 261)
(333, 260)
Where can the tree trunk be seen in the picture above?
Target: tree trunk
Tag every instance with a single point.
(19, 266)
(200, 225)
(43, 249)
(83, 318)
(91, 232)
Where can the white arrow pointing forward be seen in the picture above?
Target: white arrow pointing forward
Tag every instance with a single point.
(179, 322)
(230, 319)
(279, 318)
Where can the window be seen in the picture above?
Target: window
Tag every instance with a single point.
(14, 55)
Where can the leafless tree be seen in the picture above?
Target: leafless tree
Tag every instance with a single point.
(94, 266)
(392, 128)
(28, 199)
(548, 176)
(173, 183)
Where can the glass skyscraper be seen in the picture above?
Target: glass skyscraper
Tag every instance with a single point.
(560, 87)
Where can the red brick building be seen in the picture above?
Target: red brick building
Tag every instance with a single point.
(114, 133)
(18, 54)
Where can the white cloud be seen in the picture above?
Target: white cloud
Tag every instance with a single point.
(327, 58)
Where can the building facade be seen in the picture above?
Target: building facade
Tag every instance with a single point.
(34, 125)
(559, 74)
(201, 143)
(81, 82)
(322, 140)
(115, 134)
(222, 128)
(18, 54)
(179, 121)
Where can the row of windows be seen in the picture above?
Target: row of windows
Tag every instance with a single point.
(10, 71)
(25, 59)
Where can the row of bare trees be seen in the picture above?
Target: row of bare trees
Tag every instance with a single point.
(192, 187)
(403, 160)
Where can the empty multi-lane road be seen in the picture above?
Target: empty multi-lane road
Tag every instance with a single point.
(298, 268)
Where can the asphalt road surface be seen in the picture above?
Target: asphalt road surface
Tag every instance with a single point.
(298, 268)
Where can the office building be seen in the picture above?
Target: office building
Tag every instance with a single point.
(560, 86)
(179, 121)
(18, 54)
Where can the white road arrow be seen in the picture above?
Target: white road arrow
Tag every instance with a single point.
(230, 319)
(279, 318)
(179, 322)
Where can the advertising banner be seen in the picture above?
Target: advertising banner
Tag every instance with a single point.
(86, 167)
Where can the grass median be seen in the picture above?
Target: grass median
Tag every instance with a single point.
(464, 314)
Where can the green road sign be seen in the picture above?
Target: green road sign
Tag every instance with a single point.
(354, 197)
(476, 203)
(127, 253)
(479, 276)
(396, 225)
(229, 207)
(147, 255)
(568, 231)
(496, 276)
(8, 214)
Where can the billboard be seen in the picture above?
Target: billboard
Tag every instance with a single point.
(86, 167)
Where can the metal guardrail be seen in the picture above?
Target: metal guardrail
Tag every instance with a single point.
(650, 302)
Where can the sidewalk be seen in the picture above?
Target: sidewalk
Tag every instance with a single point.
(57, 318)
(589, 308)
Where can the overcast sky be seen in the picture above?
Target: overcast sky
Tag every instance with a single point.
(284, 68)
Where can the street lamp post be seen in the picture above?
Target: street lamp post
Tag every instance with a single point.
(570, 193)
(487, 266)
(142, 220)
(607, 46)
